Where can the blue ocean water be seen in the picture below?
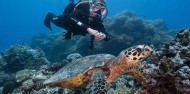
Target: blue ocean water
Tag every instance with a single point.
(22, 19)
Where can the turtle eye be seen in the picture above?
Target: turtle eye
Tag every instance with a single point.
(139, 49)
(146, 49)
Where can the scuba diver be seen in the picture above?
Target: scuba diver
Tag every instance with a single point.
(85, 17)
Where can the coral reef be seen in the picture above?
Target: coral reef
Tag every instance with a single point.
(125, 29)
(168, 68)
(21, 77)
(4, 77)
(122, 85)
(1, 89)
(52, 68)
(10, 86)
(55, 48)
(73, 56)
(123, 90)
(24, 80)
(25, 74)
(12, 62)
(47, 91)
(19, 57)
(167, 71)
(2, 63)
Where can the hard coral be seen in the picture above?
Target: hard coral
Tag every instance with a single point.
(5, 77)
(18, 57)
(73, 56)
(53, 68)
(172, 69)
(23, 75)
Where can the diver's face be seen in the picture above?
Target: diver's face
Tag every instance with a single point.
(98, 10)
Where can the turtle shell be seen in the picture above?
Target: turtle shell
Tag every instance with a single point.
(66, 76)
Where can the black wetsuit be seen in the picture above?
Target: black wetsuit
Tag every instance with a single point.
(68, 20)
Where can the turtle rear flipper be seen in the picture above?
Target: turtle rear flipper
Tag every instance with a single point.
(98, 86)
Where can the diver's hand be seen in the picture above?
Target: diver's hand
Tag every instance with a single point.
(98, 35)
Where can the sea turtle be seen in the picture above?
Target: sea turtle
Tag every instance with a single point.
(97, 71)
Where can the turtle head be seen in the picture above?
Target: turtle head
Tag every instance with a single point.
(127, 59)
(136, 54)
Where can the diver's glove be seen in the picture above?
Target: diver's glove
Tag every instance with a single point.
(98, 35)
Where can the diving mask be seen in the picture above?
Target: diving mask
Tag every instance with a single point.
(99, 8)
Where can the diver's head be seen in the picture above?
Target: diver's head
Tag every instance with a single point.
(97, 8)
(94, 1)
(99, 1)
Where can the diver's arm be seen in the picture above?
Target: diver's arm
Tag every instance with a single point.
(79, 23)
(73, 19)
(98, 35)
(83, 26)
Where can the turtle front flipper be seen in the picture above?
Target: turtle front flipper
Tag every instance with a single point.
(98, 85)
(137, 72)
